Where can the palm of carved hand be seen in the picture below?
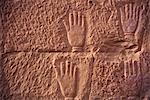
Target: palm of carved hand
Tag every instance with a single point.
(76, 29)
(129, 26)
(66, 76)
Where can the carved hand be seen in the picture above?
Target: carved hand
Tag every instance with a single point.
(132, 73)
(66, 77)
(132, 69)
(76, 30)
(129, 18)
(133, 22)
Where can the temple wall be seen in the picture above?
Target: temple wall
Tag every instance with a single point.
(74, 50)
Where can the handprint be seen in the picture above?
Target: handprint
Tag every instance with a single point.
(132, 73)
(66, 77)
(133, 22)
(76, 30)
(129, 18)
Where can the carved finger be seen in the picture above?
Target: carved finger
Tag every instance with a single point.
(134, 10)
(66, 26)
(127, 11)
(143, 67)
(79, 18)
(135, 67)
(75, 18)
(83, 21)
(70, 19)
(130, 10)
(130, 67)
(141, 13)
(125, 69)
(62, 69)
(137, 13)
(74, 72)
(57, 71)
(67, 68)
(139, 68)
(71, 70)
(122, 13)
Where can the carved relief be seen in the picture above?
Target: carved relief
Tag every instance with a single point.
(40, 35)
(133, 78)
(133, 20)
(73, 73)
(76, 30)
(66, 75)
(136, 76)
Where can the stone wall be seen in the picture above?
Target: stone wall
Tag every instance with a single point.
(74, 50)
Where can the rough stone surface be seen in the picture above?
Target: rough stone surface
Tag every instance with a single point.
(74, 50)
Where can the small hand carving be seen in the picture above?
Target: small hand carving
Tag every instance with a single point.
(132, 69)
(133, 20)
(132, 73)
(76, 30)
(129, 18)
(66, 77)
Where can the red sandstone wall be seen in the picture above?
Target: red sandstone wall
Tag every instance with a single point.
(74, 49)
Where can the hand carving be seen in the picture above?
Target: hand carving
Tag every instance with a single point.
(132, 73)
(133, 22)
(132, 69)
(76, 30)
(129, 18)
(66, 77)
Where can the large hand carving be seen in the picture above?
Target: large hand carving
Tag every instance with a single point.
(133, 22)
(66, 77)
(76, 30)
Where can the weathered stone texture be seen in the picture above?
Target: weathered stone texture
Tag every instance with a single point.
(30, 75)
(109, 81)
(34, 25)
(74, 49)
